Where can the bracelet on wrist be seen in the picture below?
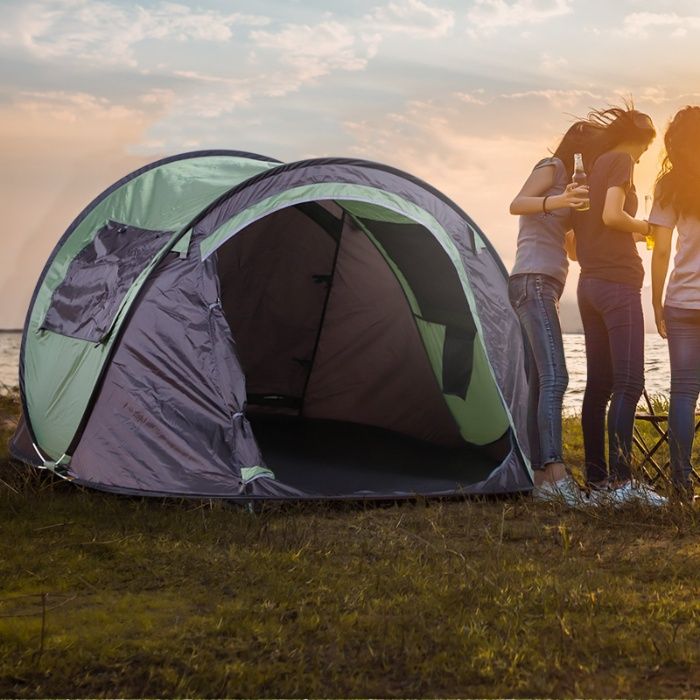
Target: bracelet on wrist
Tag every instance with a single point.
(544, 204)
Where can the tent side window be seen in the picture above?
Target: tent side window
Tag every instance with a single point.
(85, 303)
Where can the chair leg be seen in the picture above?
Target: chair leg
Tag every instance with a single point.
(648, 457)
(693, 471)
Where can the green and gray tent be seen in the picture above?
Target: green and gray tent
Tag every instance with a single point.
(220, 324)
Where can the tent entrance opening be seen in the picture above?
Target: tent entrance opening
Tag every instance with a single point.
(337, 375)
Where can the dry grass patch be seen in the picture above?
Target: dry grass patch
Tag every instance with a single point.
(429, 599)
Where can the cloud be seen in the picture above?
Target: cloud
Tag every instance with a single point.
(552, 64)
(202, 77)
(475, 97)
(308, 52)
(659, 96)
(58, 120)
(557, 98)
(434, 141)
(411, 18)
(158, 96)
(282, 62)
(639, 24)
(99, 34)
(561, 99)
(76, 106)
(489, 15)
(261, 60)
(105, 33)
(214, 95)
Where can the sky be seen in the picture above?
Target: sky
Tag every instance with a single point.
(466, 95)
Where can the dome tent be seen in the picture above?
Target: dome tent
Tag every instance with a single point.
(220, 324)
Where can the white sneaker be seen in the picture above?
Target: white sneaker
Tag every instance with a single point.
(631, 492)
(565, 491)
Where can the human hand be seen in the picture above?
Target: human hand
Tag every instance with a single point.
(660, 322)
(575, 196)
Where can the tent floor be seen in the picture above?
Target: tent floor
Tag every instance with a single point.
(333, 458)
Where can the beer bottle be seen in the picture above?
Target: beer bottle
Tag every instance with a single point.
(580, 177)
(649, 236)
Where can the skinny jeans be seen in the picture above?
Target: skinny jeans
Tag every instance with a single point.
(683, 329)
(613, 325)
(535, 298)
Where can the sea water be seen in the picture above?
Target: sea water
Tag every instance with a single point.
(656, 362)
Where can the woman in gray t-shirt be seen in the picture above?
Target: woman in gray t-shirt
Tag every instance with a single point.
(677, 205)
(535, 286)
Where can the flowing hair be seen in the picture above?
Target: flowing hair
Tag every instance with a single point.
(601, 131)
(678, 182)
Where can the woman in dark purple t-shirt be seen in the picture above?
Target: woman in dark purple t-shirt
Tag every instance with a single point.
(611, 309)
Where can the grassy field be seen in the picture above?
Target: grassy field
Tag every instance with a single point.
(104, 596)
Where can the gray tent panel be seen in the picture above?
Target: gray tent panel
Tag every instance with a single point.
(436, 286)
(275, 276)
(371, 366)
(500, 331)
(87, 300)
(169, 414)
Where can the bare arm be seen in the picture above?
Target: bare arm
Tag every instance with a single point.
(615, 216)
(530, 199)
(659, 269)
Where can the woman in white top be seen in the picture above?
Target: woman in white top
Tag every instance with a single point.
(677, 204)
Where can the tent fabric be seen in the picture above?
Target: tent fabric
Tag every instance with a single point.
(386, 379)
(324, 329)
(169, 397)
(165, 195)
(435, 286)
(274, 285)
(481, 420)
(85, 303)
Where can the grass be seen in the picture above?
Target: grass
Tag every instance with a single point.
(165, 598)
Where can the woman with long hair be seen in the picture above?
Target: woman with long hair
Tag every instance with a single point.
(610, 303)
(677, 204)
(535, 286)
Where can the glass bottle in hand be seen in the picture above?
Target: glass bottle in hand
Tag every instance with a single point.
(580, 178)
(649, 236)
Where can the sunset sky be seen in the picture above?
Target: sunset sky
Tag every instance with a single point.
(466, 95)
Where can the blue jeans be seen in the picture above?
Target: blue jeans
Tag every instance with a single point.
(613, 325)
(535, 299)
(683, 328)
